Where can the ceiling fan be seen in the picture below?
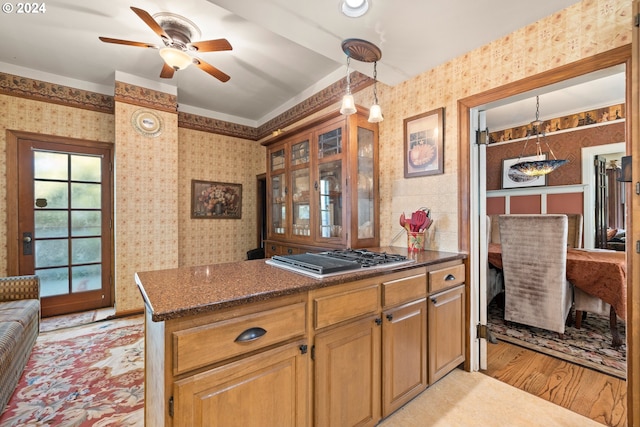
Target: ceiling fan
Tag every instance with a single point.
(177, 34)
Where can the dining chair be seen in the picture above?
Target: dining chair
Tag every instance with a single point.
(534, 263)
(574, 231)
(494, 275)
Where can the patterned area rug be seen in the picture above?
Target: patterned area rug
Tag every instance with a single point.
(66, 321)
(589, 346)
(83, 376)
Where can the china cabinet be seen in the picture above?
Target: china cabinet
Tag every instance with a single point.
(322, 185)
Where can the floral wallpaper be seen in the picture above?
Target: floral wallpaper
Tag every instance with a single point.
(153, 175)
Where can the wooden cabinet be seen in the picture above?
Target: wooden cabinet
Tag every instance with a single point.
(322, 181)
(370, 350)
(446, 320)
(240, 366)
(269, 389)
(347, 375)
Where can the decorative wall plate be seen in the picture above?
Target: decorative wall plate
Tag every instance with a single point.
(147, 123)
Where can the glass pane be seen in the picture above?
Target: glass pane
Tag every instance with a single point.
(86, 168)
(300, 185)
(85, 196)
(85, 251)
(54, 281)
(86, 223)
(330, 143)
(51, 253)
(278, 200)
(86, 278)
(56, 194)
(50, 224)
(300, 153)
(277, 160)
(50, 165)
(330, 194)
(366, 203)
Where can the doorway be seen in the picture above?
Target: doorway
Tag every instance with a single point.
(64, 220)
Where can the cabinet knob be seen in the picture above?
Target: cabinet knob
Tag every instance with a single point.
(251, 334)
(378, 321)
(389, 317)
(434, 300)
(289, 251)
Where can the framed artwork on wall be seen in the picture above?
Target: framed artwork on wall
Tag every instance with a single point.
(511, 178)
(215, 200)
(424, 144)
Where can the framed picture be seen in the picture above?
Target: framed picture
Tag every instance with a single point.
(424, 144)
(511, 178)
(216, 200)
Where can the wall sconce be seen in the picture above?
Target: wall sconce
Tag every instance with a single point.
(364, 51)
(541, 166)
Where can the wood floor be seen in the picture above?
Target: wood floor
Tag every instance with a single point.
(601, 397)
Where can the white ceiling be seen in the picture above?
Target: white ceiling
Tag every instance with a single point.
(283, 50)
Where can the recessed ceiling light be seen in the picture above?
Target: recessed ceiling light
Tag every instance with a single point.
(355, 8)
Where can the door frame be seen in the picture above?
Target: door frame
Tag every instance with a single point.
(14, 243)
(467, 231)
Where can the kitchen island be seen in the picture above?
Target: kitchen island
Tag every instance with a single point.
(248, 343)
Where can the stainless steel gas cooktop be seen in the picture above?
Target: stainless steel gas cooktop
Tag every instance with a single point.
(331, 263)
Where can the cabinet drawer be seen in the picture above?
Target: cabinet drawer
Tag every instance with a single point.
(404, 289)
(347, 304)
(208, 344)
(446, 277)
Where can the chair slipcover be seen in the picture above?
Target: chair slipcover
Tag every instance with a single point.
(534, 261)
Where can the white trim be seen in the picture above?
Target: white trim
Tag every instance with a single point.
(589, 182)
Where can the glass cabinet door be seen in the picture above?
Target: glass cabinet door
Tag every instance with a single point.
(278, 194)
(365, 183)
(300, 184)
(330, 199)
(278, 205)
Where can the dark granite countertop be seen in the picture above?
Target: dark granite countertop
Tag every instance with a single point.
(178, 292)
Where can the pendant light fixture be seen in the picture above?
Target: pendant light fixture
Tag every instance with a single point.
(348, 104)
(364, 51)
(540, 166)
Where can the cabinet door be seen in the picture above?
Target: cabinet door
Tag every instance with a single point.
(347, 375)
(363, 146)
(268, 390)
(404, 357)
(446, 332)
(277, 193)
(300, 191)
(329, 184)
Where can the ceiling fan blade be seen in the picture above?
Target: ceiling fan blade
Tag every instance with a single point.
(208, 68)
(127, 42)
(148, 19)
(212, 45)
(167, 71)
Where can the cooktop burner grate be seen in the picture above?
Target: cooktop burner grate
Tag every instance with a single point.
(327, 263)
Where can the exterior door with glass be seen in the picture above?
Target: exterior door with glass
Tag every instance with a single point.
(64, 226)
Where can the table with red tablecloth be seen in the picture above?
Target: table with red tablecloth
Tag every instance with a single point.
(598, 272)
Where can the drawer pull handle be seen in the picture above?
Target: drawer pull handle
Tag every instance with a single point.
(251, 334)
(450, 277)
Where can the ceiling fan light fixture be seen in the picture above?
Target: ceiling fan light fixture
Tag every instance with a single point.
(176, 58)
(354, 8)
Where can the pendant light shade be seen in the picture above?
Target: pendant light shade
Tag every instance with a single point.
(540, 166)
(348, 105)
(375, 114)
